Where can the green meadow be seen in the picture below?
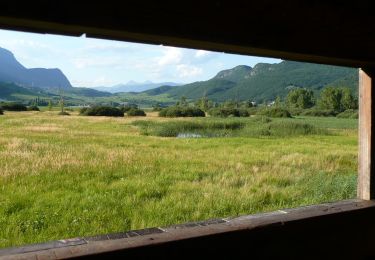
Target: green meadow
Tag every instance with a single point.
(70, 176)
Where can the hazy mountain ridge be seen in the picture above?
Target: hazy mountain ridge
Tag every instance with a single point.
(12, 71)
(266, 81)
(133, 86)
(263, 82)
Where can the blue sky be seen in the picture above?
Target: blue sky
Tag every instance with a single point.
(89, 62)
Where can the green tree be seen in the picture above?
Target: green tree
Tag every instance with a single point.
(330, 98)
(61, 101)
(183, 102)
(300, 98)
(50, 105)
(338, 99)
(348, 100)
(278, 102)
(204, 103)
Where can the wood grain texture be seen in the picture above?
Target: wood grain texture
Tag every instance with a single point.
(365, 189)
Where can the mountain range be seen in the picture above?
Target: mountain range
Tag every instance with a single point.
(12, 71)
(133, 86)
(263, 82)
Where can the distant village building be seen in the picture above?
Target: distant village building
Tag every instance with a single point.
(124, 103)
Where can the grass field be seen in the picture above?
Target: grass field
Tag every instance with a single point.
(69, 176)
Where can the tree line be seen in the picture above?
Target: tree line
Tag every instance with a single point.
(331, 98)
(299, 101)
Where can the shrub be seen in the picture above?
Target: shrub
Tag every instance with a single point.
(243, 113)
(276, 112)
(63, 113)
(224, 112)
(101, 111)
(178, 111)
(252, 110)
(135, 112)
(33, 108)
(319, 112)
(126, 108)
(296, 111)
(228, 112)
(83, 110)
(13, 107)
(349, 113)
(1, 112)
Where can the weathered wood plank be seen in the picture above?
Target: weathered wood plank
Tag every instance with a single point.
(365, 188)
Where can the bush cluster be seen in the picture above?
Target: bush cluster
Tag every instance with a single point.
(13, 107)
(126, 108)
(101, 111)
(276, 112)
(349, 113)
(319, 112)
(135, 112)
(179, 111)
(33, 108)
(228, 112)
(1, 111)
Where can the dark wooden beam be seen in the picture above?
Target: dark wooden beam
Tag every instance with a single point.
(332, 32)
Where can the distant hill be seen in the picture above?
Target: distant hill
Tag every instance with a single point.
(13, 72)
(158, 91)
(87, 92)
(10, 91)
(20, 83)
(133, 86)
(265, 81)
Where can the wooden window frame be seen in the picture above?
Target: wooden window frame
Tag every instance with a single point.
(251, 223)
(365, 181)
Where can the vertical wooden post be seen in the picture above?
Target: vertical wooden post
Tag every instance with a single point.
(366, 173)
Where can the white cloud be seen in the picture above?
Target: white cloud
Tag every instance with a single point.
(100, 81)
(202, 53)
(187, 71)
(97, 62)
(171, 55)
(105, 46)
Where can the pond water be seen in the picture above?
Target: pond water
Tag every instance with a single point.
(188, 135)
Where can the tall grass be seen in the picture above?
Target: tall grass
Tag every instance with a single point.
(64, 177)
(174, 128)
(254, 127)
